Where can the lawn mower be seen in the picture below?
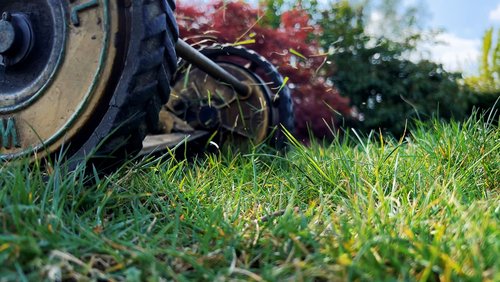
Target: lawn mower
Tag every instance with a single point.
(102, 80)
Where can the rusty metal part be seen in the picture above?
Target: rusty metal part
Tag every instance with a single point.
(207, 104)
(193, 56)
(170, 123)
(281, 106)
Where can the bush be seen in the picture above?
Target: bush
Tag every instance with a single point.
(391, 92)
(485, 87)
(388, 90)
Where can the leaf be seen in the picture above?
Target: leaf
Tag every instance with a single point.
(296, 53)
(244, 42)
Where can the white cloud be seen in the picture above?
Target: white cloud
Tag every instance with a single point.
(495, 14)
(455, 53)
(375, 25)
(376, 19)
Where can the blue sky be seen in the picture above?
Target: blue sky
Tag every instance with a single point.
(465, 22)
(465, 18)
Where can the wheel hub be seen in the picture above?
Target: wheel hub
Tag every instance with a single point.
(208, 117)
(16, 38)
(29, 64)
(7, 34)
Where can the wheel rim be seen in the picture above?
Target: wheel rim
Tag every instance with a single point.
(49, 95)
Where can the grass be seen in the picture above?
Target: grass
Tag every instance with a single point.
(425, 208)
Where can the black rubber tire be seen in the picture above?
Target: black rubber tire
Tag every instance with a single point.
(282, 112)
(142, 89)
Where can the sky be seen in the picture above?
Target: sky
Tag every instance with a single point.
(464, 23)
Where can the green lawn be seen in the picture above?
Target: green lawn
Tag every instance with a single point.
(426, 208)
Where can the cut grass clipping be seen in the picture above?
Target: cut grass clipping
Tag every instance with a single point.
(365, 209)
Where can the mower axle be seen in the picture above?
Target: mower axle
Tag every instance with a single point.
(196, 58)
